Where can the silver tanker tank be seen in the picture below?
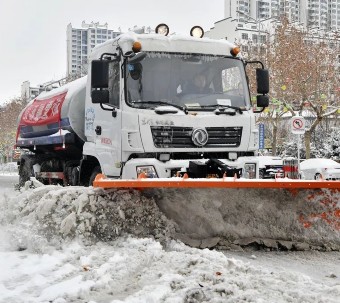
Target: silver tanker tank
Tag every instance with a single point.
(53, 113)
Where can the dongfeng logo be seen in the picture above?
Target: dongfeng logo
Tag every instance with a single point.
(199, 137)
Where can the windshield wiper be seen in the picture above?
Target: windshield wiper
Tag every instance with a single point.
(221, 107)
(182, 108)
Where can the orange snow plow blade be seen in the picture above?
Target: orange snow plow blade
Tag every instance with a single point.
(278, 211)
(228, 182)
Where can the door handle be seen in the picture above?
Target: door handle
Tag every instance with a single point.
(98, 130)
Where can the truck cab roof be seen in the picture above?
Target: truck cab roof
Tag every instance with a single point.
(171, 44)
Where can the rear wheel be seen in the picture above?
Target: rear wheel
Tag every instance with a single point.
(25, 170)
(97, 170)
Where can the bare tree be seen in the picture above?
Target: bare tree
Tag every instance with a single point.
(304, 79)
(8, 126)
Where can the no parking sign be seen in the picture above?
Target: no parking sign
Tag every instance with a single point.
(298, 125)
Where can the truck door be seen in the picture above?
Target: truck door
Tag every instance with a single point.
(107, 125)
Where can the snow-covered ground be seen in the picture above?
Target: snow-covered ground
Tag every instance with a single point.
(10, 168)
(56, 246)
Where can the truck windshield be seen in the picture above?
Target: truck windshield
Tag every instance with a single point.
(189, 80)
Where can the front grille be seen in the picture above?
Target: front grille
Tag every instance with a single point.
(180, 137)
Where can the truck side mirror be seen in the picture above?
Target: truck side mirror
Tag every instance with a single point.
(100, 96)
(262, 100)
(99, 74)
(100, 81)
(262, 80)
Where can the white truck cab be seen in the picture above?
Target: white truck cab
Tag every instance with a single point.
(143, 113)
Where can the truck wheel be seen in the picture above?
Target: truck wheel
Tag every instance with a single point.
(25, 171)
(97, 170)
(75, 176)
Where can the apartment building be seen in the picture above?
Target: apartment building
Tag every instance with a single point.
(29, 92)
(80, 42)
(324, 14)
(254, 19)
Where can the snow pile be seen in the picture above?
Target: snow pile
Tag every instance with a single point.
(50, 253)
(53, 214)
(307, 217)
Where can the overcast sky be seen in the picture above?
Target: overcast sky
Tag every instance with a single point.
(33, 32)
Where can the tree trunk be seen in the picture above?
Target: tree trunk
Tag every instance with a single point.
(274, 143)
(308, 135)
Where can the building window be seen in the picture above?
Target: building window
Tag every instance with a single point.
(245, 48)
(245, 36)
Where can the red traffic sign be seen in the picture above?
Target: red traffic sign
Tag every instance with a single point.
(298, 125)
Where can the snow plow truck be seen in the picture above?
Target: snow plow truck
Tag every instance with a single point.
(172, 116)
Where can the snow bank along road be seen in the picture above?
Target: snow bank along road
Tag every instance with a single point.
(83, 245)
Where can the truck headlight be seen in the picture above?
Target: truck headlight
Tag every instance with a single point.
(232, 156)
(164, 157)
(249, 171)
(149, 171)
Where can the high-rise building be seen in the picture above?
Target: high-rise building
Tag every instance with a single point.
(253, 19)
(321, 14)
(80, 42)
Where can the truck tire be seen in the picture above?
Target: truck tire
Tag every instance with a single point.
(25, 170)
(75, 176)
(97, 170)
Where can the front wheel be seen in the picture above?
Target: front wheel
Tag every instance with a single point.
(97, 170)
